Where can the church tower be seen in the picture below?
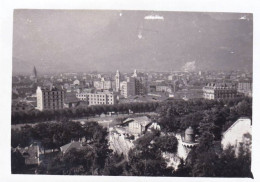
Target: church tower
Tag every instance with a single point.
(34, 75)
(117, 79)
(34, 72)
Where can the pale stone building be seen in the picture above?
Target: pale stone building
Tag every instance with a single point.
(138, 125)
(103, 84)
(117, 80)
(214, 91)
(98, 98)
(127, 88)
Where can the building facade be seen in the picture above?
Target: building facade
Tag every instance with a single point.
(127, 88)
(98, 98)
(245, 87)
(138, 125)
(101, 98)
(103, 84)
(50, 98)
(163, 88)
(82, 96)
(214, 91)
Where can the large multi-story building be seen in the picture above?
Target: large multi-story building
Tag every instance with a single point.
(82, 96)
(50, 98)
(141, 83)
(127, 88)
(245, 87)
(214, 91)
(98, 98)
(141, 86)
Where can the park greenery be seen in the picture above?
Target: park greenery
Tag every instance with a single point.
(209, 118)
(36, 116)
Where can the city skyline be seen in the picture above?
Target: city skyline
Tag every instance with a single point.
(98, 40)
(141, 93)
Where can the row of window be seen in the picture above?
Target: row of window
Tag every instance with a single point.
(53, 93)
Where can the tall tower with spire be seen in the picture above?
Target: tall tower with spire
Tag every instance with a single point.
(35, 77)
(34, 72)
(117, 79)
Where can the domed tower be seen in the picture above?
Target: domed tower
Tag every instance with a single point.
(189, 138)
(189, 135)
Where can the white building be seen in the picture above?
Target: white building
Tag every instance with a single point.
(99, 98)
(137, 125)
(170, 77)
(237, 134)
(103, 84)
(127, 88)
(76, 82)
(117, 79)
(82, 96)
(214, 91)
(123, 89)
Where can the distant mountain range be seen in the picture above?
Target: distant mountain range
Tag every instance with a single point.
(126, 40)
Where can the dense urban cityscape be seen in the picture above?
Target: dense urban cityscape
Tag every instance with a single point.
(132, 112)
(132, 93)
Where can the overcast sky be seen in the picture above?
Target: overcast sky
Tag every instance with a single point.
(87, 40)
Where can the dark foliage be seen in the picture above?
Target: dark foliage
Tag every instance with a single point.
(35, 116)
(17, 162)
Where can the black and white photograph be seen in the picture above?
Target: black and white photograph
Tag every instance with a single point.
(133, 93)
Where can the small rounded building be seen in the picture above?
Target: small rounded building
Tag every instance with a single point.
(189, 135)
(189, 138)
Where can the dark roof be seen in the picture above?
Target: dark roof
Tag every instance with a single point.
(52, 88)
(71, 97)
(82, 104)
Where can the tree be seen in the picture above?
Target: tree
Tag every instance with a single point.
(148, 164)
(183, 170)
(244, 108)
(205, 164)
(17, 162)
(21, 137)
(166, 143)
(146, 158)
(114, 165)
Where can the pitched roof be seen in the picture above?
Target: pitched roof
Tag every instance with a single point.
(72, 144)
(241, 119)
(143, 120)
